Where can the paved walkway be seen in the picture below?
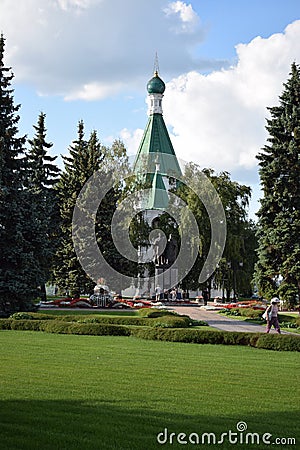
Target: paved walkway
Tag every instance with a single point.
(221, 322)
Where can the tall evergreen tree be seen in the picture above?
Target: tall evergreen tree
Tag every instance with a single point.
(41, 172)
(41, 177)
(85, 158)
(278, 267)
(18, 270)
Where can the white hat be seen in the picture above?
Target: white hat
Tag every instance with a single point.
(275, 300)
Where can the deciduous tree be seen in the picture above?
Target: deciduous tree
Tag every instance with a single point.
(235, 270)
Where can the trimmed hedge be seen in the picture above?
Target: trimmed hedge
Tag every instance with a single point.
(114, 320)
(33, 316)
(286, 342)
(58, 326)
(168, 321)
(99, 329)
(55, 326)
(196, 336)
(155, 312)
(163, 320)
(171, 322)
(87, 319)
(21, 316)
(26, 324)
(93, 329)
(186, 335)
(5, 324)
(258, 340)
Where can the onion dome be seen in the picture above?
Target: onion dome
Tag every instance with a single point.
(156, 85)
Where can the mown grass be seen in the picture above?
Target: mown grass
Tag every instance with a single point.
(86, 392)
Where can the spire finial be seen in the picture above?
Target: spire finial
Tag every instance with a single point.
(156, 65)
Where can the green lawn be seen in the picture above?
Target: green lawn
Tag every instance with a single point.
(67, 392)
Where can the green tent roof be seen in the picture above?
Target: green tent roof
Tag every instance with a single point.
(158, 197)
(156, 148)
(156, 157)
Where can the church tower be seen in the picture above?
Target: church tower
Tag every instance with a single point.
(157, 165)
(156, 158)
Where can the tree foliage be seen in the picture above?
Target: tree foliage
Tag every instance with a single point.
(278, 266)
(40, 178)
(19, 274)
(86, 157)
(235, 270)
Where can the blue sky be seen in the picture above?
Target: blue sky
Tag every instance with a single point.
(223, 61)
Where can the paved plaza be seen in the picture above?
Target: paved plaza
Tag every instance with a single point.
(221, 322)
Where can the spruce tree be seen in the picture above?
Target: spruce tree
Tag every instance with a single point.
(18, 270)
(84, 159)
(41, 172)
(278, 267)
(41, 177)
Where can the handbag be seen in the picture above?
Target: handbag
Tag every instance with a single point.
(267, 314)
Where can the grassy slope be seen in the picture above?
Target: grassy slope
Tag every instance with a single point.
(85, 392)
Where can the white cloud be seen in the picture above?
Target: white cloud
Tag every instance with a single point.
(75, 4)
(94, 90)
(218, 120)
(189, 19)
(87, 48)
(131, 139)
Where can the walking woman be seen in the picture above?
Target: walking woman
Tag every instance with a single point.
(272, 315)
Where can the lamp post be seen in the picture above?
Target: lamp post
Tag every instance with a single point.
(236, 267)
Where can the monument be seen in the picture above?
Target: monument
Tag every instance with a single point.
(164, 258)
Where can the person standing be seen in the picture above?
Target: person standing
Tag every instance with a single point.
(173, 294)
(205, 295)
(272, 315)
(157, 293)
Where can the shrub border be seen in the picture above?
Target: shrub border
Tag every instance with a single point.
(184, 335)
